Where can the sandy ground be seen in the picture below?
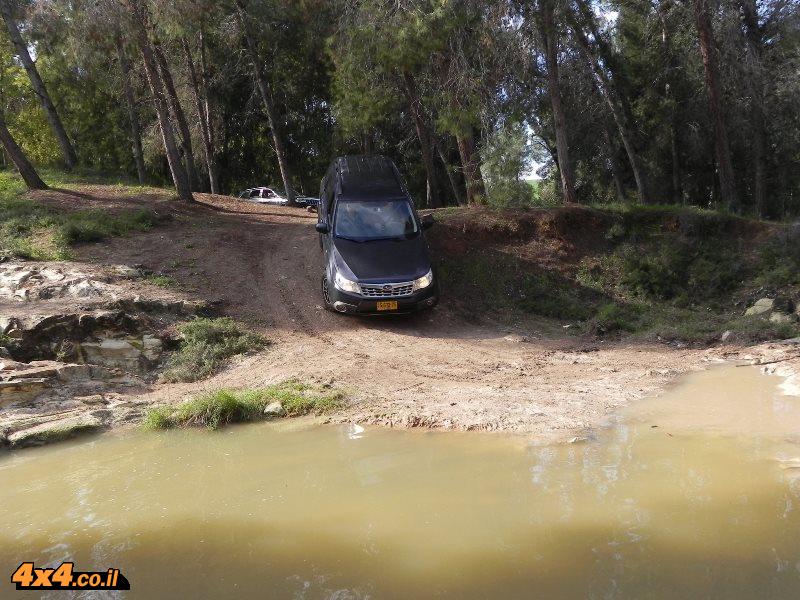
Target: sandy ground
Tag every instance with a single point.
(433, 370)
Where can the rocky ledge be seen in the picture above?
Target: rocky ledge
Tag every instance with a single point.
(78, 344)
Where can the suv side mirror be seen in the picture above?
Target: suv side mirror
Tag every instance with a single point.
(427, 221)
(322, 227)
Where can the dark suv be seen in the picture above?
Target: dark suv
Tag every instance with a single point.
(376, 258)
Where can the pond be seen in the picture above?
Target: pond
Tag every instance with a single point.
(691, 494)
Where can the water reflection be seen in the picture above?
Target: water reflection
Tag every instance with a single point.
(287, 511)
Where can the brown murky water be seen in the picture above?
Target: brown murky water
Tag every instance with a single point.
(703, 505)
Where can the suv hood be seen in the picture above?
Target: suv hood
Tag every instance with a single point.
(383, 260)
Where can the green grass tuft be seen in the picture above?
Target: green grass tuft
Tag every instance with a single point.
(164, 281)
(158, 417)
(219, 408)
(206, 345)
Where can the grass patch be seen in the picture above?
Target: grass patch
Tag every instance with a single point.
(158, 417)
(164, 281)
(206, 345)
(33, 231)
(219, 408)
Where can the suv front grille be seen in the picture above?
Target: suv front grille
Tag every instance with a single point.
(387, 290)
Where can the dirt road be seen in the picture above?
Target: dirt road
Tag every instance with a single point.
(433, 370)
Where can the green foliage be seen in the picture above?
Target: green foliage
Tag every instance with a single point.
(31, 230)
(504, 282)
(505, 161)
(206, 345)
(158, 417)
(702, 270)
(759, 328)
(164, 281)
(613, 318)
(219, 408)
(780, 259)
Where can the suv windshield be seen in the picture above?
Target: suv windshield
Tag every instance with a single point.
(374, 220)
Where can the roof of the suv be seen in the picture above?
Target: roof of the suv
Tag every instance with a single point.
(369, 177)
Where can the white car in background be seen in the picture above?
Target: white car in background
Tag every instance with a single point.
(263, 195)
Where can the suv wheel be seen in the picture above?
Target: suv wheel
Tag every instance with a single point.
(325, 297)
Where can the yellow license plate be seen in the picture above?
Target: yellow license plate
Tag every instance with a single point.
(387, 305)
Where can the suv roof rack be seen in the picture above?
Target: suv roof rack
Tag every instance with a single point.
(369, 177)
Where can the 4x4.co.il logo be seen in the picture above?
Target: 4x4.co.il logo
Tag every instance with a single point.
(64, 577)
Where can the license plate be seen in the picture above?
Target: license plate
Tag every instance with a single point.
(387, 305)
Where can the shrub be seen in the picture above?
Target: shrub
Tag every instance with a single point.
(780, 259)
(703, 270)
(612, 318)
(206, 345)
(758, 328)
(219, 408)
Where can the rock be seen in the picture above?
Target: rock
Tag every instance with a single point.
(128, 271)
(14, 277)
(54, 431)
(85, 289)
(93, 399)
(21, 389)
(782, 318)
(70, 373)
(274, 409)
(6, 364)
(113, 353)
(42, 371)
(8, 323)
(761, 306)
(151, 347)
(726, 336)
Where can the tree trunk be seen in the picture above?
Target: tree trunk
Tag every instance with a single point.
(67, 150)
(17, 156)
(177, 171)
(755, 85)
(476, 191)
(368, 142)
(424, 137)
(458, 193)
(209, 110)
(722, 151)
(547, 29)
(204, 117)
(669, 67)
(607, 90)
(180, 116)
(616, 173)
(269, 105)
(130, 102)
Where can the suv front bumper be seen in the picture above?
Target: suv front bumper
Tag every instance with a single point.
(351, 303)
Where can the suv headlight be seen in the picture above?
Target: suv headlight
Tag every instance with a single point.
(343, 283)
(424, 281)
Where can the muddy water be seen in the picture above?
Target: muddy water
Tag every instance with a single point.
(703, 505)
